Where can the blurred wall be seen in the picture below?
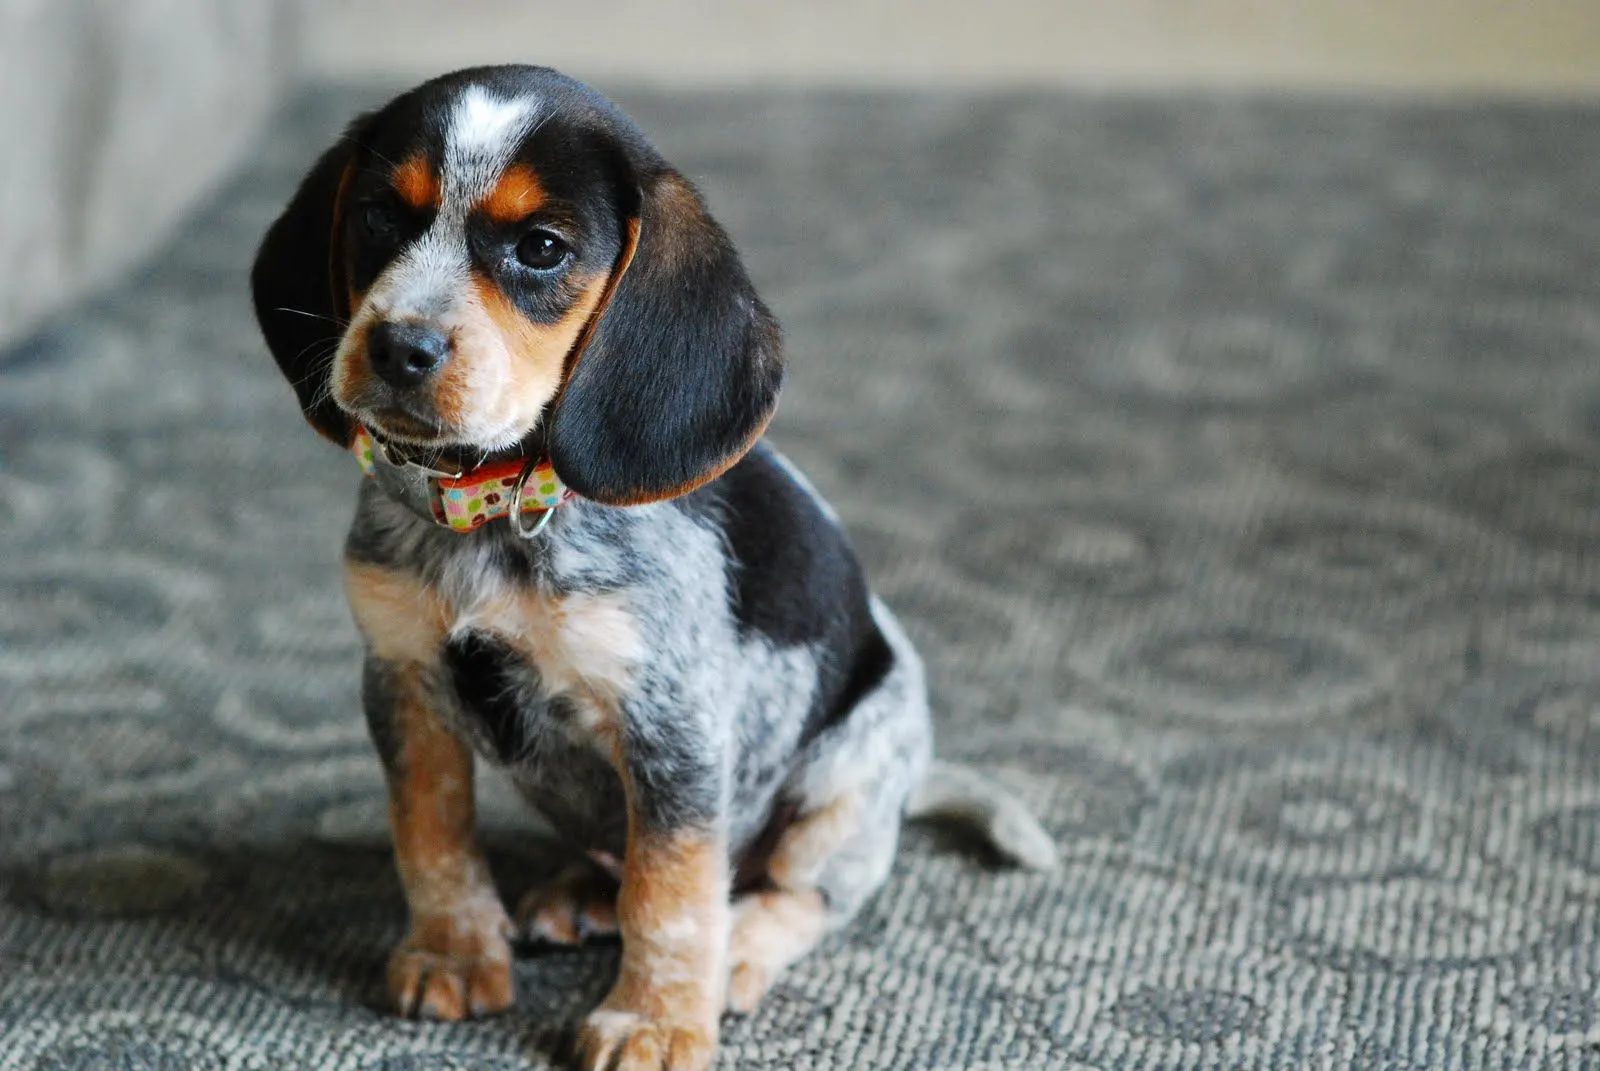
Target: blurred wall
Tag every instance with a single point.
(1544, 47)
(117, 115)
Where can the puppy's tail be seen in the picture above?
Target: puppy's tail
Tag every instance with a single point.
(961, 794)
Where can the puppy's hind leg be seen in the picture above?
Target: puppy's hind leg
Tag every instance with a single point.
(771, 929)
(823, 867)
(851, 786)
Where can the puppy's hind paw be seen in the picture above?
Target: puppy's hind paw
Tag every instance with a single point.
(576, 905)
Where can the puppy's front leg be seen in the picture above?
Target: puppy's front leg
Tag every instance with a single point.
(673, 914)
(456, 962)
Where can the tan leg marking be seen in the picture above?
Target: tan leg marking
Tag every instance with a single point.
(456, 962)
(401, 618)
(673, 911)
(811, 840)
(575, 905)
(774, 928)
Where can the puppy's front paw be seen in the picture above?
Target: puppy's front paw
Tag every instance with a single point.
(451, 969)
(612, 1038)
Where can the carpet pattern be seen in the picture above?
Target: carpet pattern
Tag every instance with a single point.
(1235, 463)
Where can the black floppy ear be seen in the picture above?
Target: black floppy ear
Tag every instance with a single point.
(298, 285)
(681, 372)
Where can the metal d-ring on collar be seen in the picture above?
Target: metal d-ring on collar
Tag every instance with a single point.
(515, 516)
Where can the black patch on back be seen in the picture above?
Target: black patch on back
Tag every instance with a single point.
(797, 581)
(872, 662)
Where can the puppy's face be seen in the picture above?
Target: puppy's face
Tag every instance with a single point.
(478, 236)
(500, 251)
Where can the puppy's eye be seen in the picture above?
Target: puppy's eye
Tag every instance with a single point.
(380, 220)
(541, 250)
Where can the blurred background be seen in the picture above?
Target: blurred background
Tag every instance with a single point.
(124, 113)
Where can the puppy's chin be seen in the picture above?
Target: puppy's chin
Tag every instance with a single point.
(409, 429)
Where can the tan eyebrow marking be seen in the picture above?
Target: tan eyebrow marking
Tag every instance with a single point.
(516, 195)
(416, 183)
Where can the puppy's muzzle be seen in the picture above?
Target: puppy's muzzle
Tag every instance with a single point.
(406, 353)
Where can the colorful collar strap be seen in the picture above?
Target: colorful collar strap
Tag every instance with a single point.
(465, 501)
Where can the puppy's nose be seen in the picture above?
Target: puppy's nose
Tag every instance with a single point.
(405, 353)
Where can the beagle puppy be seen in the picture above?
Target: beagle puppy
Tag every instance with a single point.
(576, 559)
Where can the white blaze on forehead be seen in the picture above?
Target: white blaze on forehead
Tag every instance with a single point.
(483, 134)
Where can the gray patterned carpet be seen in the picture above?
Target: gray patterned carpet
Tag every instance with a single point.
(1237, 465)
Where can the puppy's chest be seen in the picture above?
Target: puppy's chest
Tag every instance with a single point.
(536, 674)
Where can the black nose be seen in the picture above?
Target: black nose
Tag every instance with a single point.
(405, 353)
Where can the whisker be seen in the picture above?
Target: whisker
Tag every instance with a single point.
(317, 365)
(311, 315)
(318, 358)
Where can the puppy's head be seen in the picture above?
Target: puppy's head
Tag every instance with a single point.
(499, 257)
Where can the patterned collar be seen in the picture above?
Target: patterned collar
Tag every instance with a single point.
(465, 501)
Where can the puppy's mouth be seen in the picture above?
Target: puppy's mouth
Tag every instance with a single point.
(403, 426)
(397, 417)
(410, 422)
